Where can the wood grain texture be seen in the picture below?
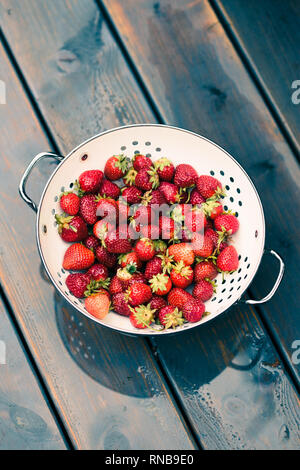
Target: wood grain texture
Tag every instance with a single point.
(270, 33)
(118, 400)
(25, 419)
(198, 82)
(217, 354)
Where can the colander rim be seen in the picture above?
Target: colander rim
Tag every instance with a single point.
(147, 332)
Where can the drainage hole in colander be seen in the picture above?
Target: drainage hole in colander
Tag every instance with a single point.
(227, 187)
(147, 143)
(71, 185)
(231, 199)
(53, 211)
(238, 190)
(135, 142)
(66, 292)
(59, 282)
(213, 299)
(63, 271)
(231, 289)
(158, 149)
(226, 208)
(222, 173)
(239, 257)
(123, 147)
(231, 179)
(239, 270)
(221, 300)
(59, 275)
(248, 266)
(236, 214)
(229, 296)
(54, 224)
(137, 152)
(224, 280)
(62, 189)
(56, 199)
(240, 203)
(239, 279)
(246, 259)
(232, 280)
(246, 275)
(84, 157)
(212, 173)
(223, 291)
(148, 155)
(238, 287)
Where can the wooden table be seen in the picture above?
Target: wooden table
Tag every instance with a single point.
(221, 68)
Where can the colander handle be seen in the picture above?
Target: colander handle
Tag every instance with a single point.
(22, 185)
(277, 282)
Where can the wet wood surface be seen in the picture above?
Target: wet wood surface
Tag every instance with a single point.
(229, 380)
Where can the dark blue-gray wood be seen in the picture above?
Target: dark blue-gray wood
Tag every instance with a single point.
(26, 421)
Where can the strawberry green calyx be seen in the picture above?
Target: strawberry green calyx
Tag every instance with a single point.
(143, 314)
(124, 274)
(219, 192)
(212, 258)
(122, 162)
(131, 267)
(64, 221)
(160, 246)
(167, 262)
(146, 199)
(173, 319)
(94, 287)
(154, 178)
(129, 178)
(182, 269)
(214, 285)
(158, 282)
(177, 214)
(77, 188)
(162, 163)
(209, 206)
(222, 235)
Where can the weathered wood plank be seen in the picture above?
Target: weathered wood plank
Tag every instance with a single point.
(117, 399)
(198, 82)
(25, 419)
(67, 133)
(270, 33)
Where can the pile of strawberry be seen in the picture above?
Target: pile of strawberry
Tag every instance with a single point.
(129, 257)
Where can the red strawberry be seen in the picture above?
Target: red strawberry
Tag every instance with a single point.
(193, 310)
(227, 222)
(228, 260)
(185, 176)
(165, 169)
(69, 202)
(144, 248)
(123, 212)
(91, 243)
(130, 259)
(98, 272)
(90, 181)
(150, 231)
(205, 269)
(203, 290)
(166, 227)
(132, 195)
(101, 228)
(195, 220)
(153, 267)
(120, 304)
(137, 278)
(154, 197)
(216, 239)
(109, 189)
(77, 283)
(116, 167)
(108, 208)
(115, 286)
(143, 215)
(88, 208)
(125, 275)
(182, 251)
(117, 241)
(170, 317)
(196, 198)
(142, 316)
(160, 284)
(97, 305)
(209, 186)
(146, 179)
(178, 297)
(104, 257)
(170, 192)
(138, 293)
(129, 178)
(71, 228)
(157, 302)
(202, 245)
(182, 275)
(77, 257)
(141, 161)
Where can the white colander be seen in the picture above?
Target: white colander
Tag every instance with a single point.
(180, 146)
